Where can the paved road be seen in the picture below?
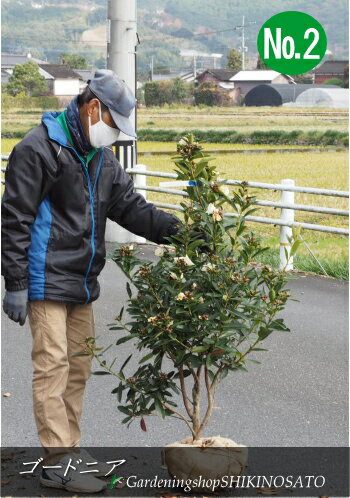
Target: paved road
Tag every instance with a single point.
(298, 396)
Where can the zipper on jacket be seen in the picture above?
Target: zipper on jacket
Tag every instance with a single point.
(92, 199)
(91, 194)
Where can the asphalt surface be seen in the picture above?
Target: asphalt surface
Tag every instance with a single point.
(298, 396)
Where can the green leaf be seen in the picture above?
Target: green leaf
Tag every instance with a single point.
(263, 333)
(128, 289)
(211, 375)
(200, 349)
(101, 372)
(147, 357)
(159, 407)
(120, 392)
(107, 348)
(279, 325)
(179, 357)
(125, 363)
(124, 339)
(126, 419)
(295, 246)
(125, 409)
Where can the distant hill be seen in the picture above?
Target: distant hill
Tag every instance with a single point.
(47, 28)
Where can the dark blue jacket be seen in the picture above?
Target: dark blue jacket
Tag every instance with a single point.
(54, 212)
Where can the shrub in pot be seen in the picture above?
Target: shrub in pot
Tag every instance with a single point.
(198, 313)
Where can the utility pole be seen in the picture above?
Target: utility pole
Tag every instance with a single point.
(194, 67)
(243, 48)
(122, 40)
(152, 67)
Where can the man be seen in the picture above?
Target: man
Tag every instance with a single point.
(61, 184)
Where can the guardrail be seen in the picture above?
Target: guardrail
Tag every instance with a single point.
(287, 205)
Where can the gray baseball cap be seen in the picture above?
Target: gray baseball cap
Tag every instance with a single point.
(117, 96)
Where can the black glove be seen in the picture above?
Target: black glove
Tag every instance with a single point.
(15, 305)
(202, 235)
(198, 232)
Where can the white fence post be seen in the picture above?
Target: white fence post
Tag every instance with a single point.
(287, 215)
(114, 232)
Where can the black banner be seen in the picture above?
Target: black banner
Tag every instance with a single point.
(142, 472)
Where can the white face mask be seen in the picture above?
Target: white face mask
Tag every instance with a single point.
(102, 135)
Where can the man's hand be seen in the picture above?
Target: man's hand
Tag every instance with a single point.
(203, 235)
(15, 305)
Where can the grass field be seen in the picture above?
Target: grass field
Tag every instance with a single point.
(242, 119)
(319, 170)
(326, 170)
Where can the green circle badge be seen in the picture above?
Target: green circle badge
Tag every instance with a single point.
(292, 42)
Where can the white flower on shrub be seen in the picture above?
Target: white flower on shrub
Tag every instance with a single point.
(131, 248)
(187, 261)
(152, 319)
(173, 275)
(159, 252)
(210, 208)
(215, 212)
(224, 190)
(217, 215)
(180, 297)
(182, 142)
(208, 267)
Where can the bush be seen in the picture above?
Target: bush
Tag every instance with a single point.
(160, 93)
(272, 137)
(208, 94)
(9, 102)
(334, 81)
(201, 310)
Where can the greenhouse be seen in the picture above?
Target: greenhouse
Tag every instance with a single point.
(276, 95)
(336, 98)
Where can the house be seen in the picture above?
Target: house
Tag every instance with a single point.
(246, 80)
(221, 80)
(9, 61)
(5, 76)
(330, 69)
(216, 76)
(85, 74)
(61, 80)
(189, 77)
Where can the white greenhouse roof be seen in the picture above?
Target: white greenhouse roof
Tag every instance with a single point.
(255, 75)
(337, 98)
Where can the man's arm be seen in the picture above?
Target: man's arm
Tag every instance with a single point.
(130, 210)
(28, 178)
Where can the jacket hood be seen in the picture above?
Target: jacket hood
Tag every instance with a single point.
(54, 129)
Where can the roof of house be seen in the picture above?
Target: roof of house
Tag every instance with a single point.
(332, 67)
(60, 71)
(86, 74)
(10, 60)
(259, 75)
(220, 74)
(4, 76)
(188, 76)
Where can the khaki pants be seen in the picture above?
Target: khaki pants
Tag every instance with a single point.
(59, 380)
